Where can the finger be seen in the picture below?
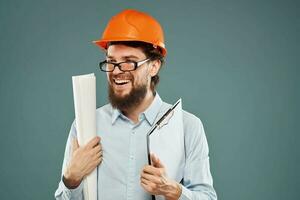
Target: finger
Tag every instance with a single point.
(93, 142)
(92, 166)
(96, 149)
(148, 169)
(163, 180)
(147, 185)
(75, 144)
(98, 155)
(94, 163)
(155, 161)
(98, 161)
(152, 178)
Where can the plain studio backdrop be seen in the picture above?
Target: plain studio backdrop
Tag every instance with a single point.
(235, 64)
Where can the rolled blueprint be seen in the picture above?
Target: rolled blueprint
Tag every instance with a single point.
(84, 91)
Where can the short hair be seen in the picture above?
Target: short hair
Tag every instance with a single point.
(150, 51)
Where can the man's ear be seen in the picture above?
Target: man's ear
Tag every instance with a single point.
(154, 67)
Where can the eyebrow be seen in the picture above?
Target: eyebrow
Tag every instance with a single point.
(125, 57)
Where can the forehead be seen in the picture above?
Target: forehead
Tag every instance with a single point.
(119, 51)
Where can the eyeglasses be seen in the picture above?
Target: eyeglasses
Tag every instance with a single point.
(126, 66)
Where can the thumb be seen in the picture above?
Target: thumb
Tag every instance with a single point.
(75, 145)
(156, 162)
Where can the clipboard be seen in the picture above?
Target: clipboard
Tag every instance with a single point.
(162, 121)
(166, 140)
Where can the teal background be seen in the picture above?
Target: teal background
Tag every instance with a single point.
(234, 63)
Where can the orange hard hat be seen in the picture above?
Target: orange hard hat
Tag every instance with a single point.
(133, 25)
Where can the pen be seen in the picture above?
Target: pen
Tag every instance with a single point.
(164, 117)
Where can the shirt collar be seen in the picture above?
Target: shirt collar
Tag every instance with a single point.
(115, 114)
(150, 113)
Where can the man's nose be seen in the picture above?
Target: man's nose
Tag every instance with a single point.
(117, 70)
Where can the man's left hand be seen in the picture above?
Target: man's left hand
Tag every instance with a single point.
(154, 180)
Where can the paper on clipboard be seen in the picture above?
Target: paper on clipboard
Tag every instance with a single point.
(84, 91)
(167, 143)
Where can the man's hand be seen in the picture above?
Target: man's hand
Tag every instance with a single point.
(154, 180)
(83, 161)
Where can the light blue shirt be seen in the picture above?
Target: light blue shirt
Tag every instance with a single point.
(125, 155)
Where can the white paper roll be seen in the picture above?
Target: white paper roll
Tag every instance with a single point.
(84, 91)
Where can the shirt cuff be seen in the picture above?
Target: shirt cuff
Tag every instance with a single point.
(186, 194)
(69, 193)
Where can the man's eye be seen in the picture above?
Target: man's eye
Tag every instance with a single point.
(130, 61)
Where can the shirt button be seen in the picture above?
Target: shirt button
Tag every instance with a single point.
(133, 132)
(131, 157)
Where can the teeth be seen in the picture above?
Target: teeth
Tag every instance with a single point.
(118, 81)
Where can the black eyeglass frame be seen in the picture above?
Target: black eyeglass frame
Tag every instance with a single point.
(136, 65)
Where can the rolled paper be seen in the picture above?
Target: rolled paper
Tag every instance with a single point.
(84, 91)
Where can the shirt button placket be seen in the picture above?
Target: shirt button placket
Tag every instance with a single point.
(131, 170)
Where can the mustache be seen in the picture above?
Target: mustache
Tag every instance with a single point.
(122, 76)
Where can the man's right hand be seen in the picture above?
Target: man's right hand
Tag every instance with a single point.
(83, 161)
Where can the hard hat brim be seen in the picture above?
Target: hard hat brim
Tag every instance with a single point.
(103, 44)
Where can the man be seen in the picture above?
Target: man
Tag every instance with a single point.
(135, 52)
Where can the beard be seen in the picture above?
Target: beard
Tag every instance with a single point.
(128, 101)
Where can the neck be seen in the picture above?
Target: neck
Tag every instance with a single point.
(134, 113)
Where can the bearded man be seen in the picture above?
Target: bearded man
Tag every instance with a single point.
(134, 45)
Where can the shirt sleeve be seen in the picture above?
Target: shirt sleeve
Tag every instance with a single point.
(197, 183)
(62, 192)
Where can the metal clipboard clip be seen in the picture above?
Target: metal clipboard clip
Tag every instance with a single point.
(166, 120)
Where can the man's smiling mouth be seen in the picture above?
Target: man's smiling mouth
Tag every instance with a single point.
(121, 81)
